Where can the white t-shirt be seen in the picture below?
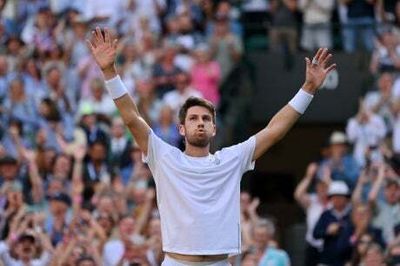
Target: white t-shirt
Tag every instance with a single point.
(314, 211)
(113, 252)
(198, 197)
(8, 260)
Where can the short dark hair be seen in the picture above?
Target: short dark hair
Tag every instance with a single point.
(196, 101)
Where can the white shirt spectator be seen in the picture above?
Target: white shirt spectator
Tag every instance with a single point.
(6, 258)
(255, 5)
(149, 9)
(175, 98)
(314, 211)
(316, 11)
(106, 106)
(364, 136)
(112, 252)
(372, 99)
(104, 8)
(396, 135)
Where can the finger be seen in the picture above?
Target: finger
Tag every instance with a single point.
(99, 35)
(330, 68)
(114, 44)
(308, 62)
(325, 60)
(90, 46)
(323, 54)
(107, 36)
(318, 54)
(95, 37)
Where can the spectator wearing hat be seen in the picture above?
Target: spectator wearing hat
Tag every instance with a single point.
(339, 165)
(314, 204)
(25, 248)
(58, 217)
(9, 169)
(332, 226)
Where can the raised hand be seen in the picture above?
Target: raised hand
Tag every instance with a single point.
(103, 48)
(317, 70)
(311, 170)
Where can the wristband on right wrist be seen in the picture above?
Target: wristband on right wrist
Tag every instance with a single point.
(301, 101)
(116, 87)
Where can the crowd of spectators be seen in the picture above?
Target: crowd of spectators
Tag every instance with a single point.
(73, 187)
(351, 195)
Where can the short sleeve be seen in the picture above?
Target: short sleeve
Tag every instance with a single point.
(245, 151)
(156, 147)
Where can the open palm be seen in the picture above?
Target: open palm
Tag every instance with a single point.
(103, 48)
(317, 70)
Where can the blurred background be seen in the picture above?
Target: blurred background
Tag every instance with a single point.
(73, 188)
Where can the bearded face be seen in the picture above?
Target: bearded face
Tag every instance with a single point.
(199, 127)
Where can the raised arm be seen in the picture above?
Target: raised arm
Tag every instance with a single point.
(283, 121)
(300, 193)
(103, 48)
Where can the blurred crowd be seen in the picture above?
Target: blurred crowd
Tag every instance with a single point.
(73, 187)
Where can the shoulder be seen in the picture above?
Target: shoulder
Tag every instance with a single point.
(277, 253)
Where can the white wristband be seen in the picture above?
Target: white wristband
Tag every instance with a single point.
(116, 87)
(301, 101)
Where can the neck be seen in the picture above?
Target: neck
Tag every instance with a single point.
(197, 151)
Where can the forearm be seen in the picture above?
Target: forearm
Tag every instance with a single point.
(277, 128)
(356, 197)
(128, 109)
(373, 194)
(302, 188)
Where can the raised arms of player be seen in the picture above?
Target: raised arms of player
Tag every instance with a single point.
(283, 121)
(103, 48)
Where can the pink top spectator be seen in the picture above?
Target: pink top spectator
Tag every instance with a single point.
(205, 78)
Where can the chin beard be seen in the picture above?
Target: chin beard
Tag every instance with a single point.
(199, 142)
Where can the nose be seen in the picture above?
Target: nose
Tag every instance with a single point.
(201, 123)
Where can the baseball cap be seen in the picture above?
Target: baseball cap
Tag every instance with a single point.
(337, 137)
(62, 197)
(8, 160)
(338, 188)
